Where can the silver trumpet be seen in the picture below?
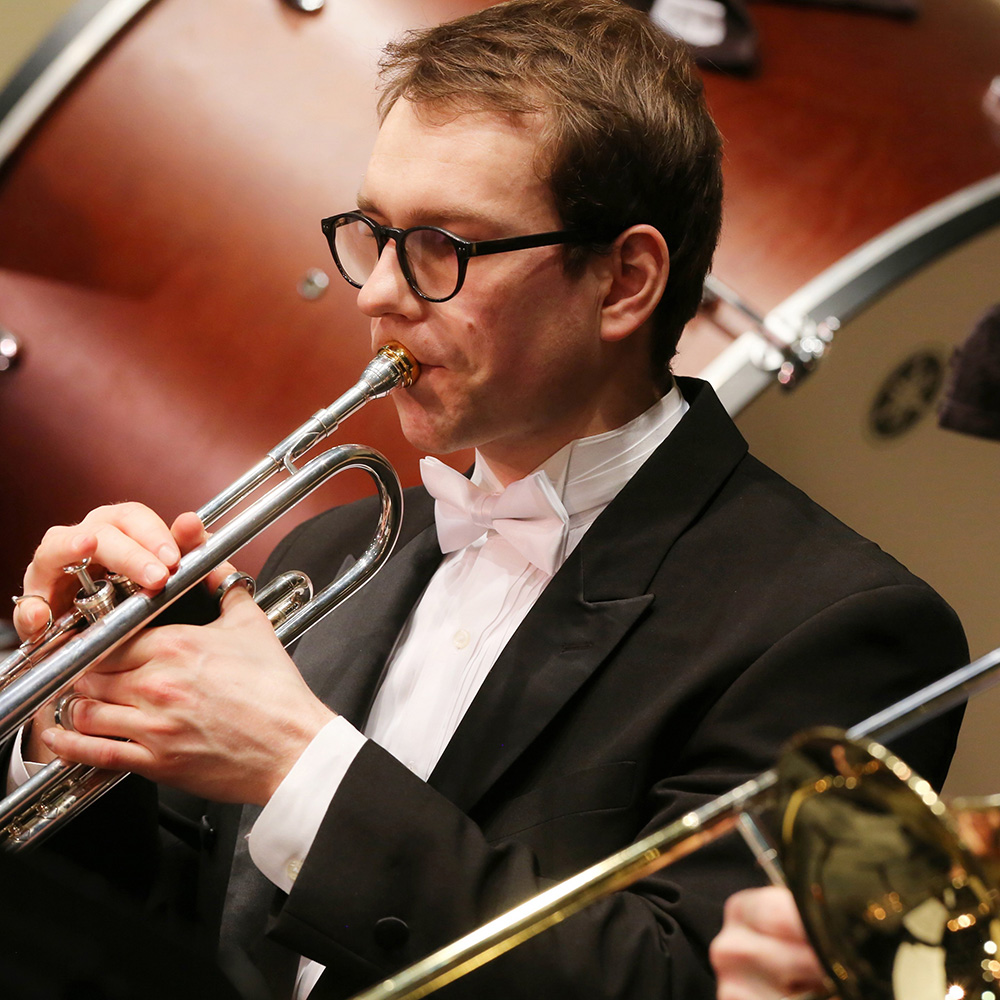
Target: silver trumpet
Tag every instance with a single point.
(107, 612)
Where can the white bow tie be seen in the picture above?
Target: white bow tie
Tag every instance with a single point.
(528, 514)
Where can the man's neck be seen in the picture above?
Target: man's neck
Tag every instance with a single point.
(510, 461)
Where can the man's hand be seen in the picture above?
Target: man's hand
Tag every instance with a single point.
(121, 538)
(124, 538)
(762, 953)
(217, 710)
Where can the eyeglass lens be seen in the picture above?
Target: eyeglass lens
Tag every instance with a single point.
(430, 256)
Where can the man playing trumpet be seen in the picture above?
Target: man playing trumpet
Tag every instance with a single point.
(620, 616)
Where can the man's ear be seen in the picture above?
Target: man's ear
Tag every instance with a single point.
(638, 266)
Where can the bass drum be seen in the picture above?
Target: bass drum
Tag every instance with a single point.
(877, 223)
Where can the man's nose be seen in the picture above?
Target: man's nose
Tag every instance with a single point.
(387, 290)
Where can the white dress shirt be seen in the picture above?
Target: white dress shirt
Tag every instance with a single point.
(469, 610)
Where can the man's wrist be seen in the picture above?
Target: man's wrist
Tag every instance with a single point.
(287, 825)
(297, 744)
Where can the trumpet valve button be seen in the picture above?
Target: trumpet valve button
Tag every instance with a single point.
(124, 587)
(80, 570)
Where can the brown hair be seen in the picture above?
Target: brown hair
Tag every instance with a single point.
(628, 138)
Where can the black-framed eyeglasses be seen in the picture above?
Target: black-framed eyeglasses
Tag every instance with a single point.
(432, 260)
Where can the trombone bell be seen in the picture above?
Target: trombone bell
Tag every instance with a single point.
(896, 906)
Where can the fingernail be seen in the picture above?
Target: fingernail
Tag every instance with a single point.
(47, 737)
(168, 553)
(152, 574)
(79, 541)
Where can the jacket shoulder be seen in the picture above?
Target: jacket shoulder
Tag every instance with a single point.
(321, 545)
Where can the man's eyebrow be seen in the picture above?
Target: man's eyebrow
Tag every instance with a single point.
(445, 217)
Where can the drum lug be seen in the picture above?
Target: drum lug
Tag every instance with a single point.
(792, 348)
(805, 349)
(314, 284)
(10, 349)
(991, 101)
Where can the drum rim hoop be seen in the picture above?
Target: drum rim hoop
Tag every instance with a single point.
(65, 52)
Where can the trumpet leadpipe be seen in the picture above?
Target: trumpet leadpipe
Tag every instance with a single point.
(392, 367)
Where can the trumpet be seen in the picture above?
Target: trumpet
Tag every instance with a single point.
(896, 904)
(108, 612)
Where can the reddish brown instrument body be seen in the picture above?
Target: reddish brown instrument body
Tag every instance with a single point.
(156, 225)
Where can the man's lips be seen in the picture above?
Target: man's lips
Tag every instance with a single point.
(427, 376)
(427, 364)
(424, 362)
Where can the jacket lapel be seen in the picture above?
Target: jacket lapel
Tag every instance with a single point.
(560, 643)
(598, 595)
(343, 657)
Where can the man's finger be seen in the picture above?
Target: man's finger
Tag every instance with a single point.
(32, 615)
(188, 531)
(234, 592)
(769, 910)
(125, 538)
(140, 525)
(91, 717)
(95, 751)
(60, 546)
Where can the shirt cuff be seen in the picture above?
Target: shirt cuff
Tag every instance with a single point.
(19, 769)
(288, 824)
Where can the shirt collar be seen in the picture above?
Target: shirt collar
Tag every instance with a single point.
(589, 472)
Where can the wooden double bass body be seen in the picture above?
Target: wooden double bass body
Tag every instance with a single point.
(162, 265)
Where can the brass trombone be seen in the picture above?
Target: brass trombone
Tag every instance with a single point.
(109, 611)
(895, 904)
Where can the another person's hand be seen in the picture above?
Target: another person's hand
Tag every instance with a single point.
(762, 953)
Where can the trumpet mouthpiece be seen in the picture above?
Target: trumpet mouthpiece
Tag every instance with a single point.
(392, 367)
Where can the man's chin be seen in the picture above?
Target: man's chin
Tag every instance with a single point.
(427, 432)
(431, 444)
(426, 438)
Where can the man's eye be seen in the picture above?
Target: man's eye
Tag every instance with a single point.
(430, 244)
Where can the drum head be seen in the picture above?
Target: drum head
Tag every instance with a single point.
(861, 437)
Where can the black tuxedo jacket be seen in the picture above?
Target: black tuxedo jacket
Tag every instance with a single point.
(711, 612)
